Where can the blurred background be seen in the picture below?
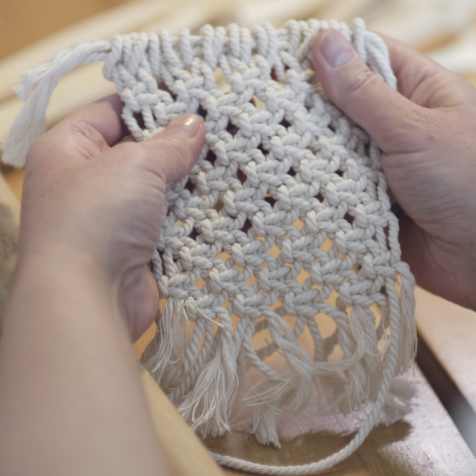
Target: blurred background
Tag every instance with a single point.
(431, 25)
(32, 31)
(428, 24)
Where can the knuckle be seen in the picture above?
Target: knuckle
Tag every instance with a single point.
(84, 129)
(173, 150)
(138, 161)
(40, 151)
(416, 132)
(364, 79)
(130, 150)
(88, 140)
(153, 176)
(175, 157)
(164, 160)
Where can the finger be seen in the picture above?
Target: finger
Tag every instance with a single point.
(407, 63)
(414, 71)
(103, 115)
(172, 152)
(85, 133)
(362, 94)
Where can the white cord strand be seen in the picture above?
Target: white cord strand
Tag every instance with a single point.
(36, 90)
(316, 167)
(366, 426)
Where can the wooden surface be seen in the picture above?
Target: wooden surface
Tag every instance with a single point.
(23, 22)
(425, 443)
(450, 332)
(185, 453)
(8, 198)
(450, 38)
(130, 16)
(9, 215)
(88, 81)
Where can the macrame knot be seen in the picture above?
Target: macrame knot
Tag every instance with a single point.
(286, 297)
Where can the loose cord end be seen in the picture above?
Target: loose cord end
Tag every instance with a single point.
(373, 50)
(36, 89)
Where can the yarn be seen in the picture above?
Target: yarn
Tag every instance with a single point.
(284, 223)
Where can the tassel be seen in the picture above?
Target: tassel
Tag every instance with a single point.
(402, 390)
(208, 406)
(408, 342)
(265, 426)
(398, 401)
(36, 89)
(161, 353)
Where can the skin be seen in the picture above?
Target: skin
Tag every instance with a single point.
(427, 134)
(71, 399)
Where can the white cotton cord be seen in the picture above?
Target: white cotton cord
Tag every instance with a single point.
(373, 51)
(372, 418)
(282, 170)
(36, 89)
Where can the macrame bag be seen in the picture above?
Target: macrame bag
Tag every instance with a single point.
(288, 307)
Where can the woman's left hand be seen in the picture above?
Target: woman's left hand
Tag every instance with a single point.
(90, 199)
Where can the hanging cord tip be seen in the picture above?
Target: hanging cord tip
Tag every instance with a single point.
(35, 90)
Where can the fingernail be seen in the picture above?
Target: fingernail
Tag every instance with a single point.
(335, 49)
(189, 124)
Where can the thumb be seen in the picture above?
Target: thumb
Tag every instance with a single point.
(172, 152)
(361, 93)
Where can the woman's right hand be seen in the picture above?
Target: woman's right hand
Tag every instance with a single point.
(427, 133)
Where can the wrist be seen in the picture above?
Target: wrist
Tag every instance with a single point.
(61, 273)
(57, 263)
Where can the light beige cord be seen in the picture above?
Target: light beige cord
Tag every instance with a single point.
(284, 219)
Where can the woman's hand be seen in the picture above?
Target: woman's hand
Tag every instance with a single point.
(69, 380)
(427, 132)
(89, 198)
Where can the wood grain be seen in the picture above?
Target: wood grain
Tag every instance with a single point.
(9, 218)
(185, 454)
(140, 15)
(123, 18)
(27, 21)
(8, 198)
(425, 443)
(450, 332)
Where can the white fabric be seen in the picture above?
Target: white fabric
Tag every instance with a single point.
(283, 230)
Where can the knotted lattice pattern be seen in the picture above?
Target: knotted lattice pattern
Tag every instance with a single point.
(279, 256)
(284, 223)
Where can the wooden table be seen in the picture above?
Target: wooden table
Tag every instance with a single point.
(425, 443)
